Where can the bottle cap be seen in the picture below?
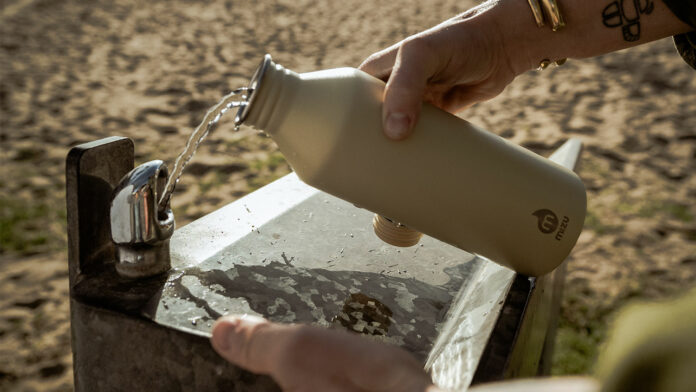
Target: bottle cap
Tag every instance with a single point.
(395, 233)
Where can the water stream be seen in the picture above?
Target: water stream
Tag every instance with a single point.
(210, 121)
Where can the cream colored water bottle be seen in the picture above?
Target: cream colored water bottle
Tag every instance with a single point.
(450, 180)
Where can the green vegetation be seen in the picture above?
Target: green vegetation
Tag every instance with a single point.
(257, 181)
(651, 208)
(25, 227)
(272, 162)
(275, 160)
(592, 222)
(267, 170)
(576, 348)
(587, 317)
(592, 164)
(677, 211)
(212, 180)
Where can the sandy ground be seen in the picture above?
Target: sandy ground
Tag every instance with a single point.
(72, 72)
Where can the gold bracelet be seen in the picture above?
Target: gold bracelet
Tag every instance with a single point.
(538, 14)
(546, 62)
(554, 13)
(557, 23)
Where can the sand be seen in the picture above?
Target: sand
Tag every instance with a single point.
(72, 72)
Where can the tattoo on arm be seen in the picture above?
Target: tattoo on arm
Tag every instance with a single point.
(626, 13)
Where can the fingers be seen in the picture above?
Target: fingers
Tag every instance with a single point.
(301, 357)
(415, 63)
(408, 65)
(248, 341)
(380, 64)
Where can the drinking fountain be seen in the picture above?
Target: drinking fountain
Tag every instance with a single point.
(143, 296)
(140, 229)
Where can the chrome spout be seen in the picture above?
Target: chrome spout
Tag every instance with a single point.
(140, 229)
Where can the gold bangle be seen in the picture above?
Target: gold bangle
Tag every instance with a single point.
(557, 23)
(554, 13)
(538, 14)
(546, 62)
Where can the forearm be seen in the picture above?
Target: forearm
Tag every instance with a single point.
(592, 27)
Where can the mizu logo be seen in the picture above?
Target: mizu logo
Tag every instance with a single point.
(548, 223)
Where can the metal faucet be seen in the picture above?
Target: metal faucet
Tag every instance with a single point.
(140, 229)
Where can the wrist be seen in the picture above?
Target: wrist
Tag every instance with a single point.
(498, 25)
(593, 27)
(524, 44)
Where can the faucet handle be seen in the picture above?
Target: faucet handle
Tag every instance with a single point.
(139, 227)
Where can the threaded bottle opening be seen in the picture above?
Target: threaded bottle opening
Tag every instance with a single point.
(394, 233)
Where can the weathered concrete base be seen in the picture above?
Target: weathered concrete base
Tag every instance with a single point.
(117, 353)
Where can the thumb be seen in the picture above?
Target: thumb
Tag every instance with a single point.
(249, 342)
(403, 95)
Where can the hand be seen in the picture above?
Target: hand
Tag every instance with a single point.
(306, 358)
(453, 65)
(472, 57)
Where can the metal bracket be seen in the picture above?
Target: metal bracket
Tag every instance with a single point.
(92, 172)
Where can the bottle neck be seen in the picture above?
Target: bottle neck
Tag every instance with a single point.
(273, 88)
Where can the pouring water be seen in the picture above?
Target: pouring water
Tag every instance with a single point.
(210, 121)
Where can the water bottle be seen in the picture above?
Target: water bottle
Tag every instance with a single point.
(450, 179)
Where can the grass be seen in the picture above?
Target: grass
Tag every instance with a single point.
(275, 160)
(19, 231)
(272, 162)
(592, 222)
(587, 317)
(211, 181)
(261, 172)
(652, 208)
(25, 226)
(258, 181)
(267, 170)
(582, 327)
(576, 348)
(677, 211)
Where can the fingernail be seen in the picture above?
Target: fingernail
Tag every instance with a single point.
(397, 125)
(225, 333)
(230, 332)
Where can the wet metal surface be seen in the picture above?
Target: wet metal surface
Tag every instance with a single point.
(319, 262)
(457, 352)
(307, 259)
